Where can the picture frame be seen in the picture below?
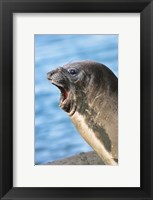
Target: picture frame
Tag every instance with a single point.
(7, 8)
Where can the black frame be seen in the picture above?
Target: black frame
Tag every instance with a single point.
(7, 8)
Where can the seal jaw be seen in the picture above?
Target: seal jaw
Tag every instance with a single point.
(66, 103)
(64, 94)
(66, 97)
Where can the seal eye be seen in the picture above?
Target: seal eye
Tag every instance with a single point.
(73, 72)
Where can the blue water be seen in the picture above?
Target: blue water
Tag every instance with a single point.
(55, 135)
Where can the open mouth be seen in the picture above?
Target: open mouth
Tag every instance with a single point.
(64, 94)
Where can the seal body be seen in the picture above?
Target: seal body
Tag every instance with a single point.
(89, 95)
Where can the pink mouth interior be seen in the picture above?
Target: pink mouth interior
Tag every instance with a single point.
(65, 95)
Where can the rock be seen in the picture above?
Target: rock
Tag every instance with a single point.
(89, 158)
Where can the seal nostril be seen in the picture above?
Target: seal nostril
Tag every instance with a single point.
(49, 75)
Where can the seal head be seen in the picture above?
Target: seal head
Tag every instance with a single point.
(89, 95)
(72, 81)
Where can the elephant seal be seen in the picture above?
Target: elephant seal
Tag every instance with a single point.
(89, 95)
